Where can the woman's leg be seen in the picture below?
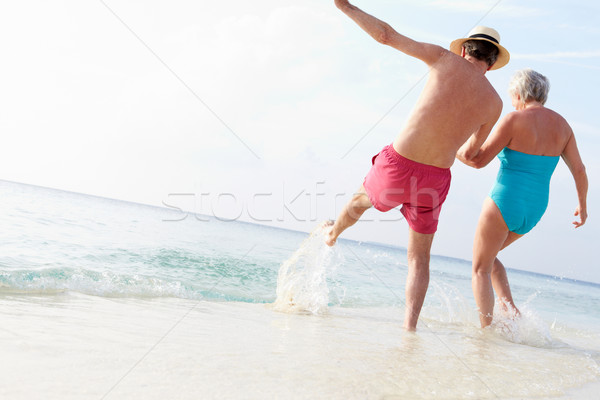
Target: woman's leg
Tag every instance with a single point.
(490, 236)
(499, 277)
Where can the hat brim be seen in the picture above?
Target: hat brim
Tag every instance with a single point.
(503, 54)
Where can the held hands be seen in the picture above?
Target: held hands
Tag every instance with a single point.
(582, 216)
(467, 158)
(461, 155)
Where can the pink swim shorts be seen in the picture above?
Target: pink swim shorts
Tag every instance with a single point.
(420, 188)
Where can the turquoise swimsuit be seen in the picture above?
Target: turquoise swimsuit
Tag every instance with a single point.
(522, 187)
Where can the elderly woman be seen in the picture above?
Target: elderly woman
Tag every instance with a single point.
(528, 142)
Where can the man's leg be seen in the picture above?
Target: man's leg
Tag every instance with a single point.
(419, 248)
(350, 214)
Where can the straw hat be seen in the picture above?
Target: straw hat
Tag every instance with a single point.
(488, 35)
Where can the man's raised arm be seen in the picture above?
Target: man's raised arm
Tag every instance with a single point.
(385, 34)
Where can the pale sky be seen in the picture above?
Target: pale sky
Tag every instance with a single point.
(270, 111)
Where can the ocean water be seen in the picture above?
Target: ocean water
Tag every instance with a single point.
(106, 299)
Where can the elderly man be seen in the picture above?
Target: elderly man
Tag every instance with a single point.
(457, 104)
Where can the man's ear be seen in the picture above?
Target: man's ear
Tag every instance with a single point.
(463, 53)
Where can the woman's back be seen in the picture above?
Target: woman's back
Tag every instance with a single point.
(540, 131)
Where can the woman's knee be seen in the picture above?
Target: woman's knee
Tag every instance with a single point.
(482, 268)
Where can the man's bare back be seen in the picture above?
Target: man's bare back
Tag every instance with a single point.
(457, 101)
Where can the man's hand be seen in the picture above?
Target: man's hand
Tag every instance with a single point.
(582, 212)
(385, 34)
(341, 4)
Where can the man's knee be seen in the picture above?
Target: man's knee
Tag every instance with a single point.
(418, 256)
(420, 261)
(419, 247)
(360, 202)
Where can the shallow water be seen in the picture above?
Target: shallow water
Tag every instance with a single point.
(106, 299)
(78, 346)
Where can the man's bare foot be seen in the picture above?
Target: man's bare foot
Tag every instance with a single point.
(327, 227)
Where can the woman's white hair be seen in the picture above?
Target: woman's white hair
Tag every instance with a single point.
(530, 85)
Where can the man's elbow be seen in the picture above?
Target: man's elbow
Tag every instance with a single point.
(384, 35)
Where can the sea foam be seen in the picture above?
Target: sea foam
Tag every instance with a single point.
(95, 283)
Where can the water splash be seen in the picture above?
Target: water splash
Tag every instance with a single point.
(446, 303)
(302, 279)
(524, 327)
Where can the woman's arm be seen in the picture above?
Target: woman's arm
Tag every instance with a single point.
(477, 155)
(573, 160)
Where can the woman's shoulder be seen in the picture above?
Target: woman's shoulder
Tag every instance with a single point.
(556, 121)
(553, 113)
(542, 115)
(511, 117)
